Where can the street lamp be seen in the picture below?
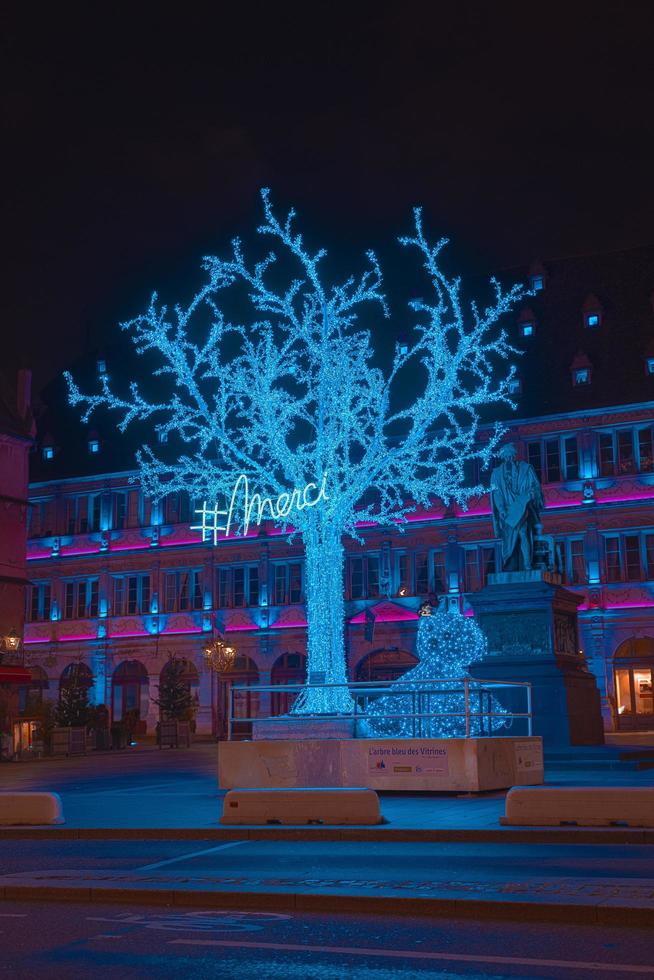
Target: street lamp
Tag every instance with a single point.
(12, 641)
(220, 658)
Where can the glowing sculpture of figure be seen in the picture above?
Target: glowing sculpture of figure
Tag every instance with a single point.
(447, 643)
(294, 395)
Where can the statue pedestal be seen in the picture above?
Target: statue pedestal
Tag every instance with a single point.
(530, 623)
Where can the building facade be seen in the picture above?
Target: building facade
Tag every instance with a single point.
(119, 583)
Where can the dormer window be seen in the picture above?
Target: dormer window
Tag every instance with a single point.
(162, 436)
(649, 365)
(101, 366)
(515, 386)
(94, 445)
(592, 312)
(536, 283)
(581, 370)
(527, 328)
(48, 452)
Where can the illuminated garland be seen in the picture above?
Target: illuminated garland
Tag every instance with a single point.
(447, 642)
(294, 393)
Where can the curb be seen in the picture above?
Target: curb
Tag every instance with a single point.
(527, 911)
(523, 835)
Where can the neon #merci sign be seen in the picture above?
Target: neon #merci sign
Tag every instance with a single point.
(253, 508)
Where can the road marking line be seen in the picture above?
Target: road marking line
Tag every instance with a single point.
(188, 857)
(415, 955)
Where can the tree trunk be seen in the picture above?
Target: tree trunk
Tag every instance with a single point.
(325, 615)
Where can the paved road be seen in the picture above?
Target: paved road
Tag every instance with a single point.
(75, 942)
(147, 787)
(549, 874)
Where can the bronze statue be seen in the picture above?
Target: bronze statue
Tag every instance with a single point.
(516, 503)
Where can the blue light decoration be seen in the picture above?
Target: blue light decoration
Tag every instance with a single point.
(447, 643)
(294, 397)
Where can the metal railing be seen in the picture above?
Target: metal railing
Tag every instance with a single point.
(481, 712)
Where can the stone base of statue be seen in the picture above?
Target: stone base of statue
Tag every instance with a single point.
(530, 622)
(401, 765)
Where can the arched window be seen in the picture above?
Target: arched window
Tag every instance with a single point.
(634, 684)
(129, 689)
(31, 695)
(290, 668)
(190, 675)
(385, 665)
(76, 674)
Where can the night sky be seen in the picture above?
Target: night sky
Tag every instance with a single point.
(135, 144)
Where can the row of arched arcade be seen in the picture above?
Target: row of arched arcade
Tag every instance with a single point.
(629, 685)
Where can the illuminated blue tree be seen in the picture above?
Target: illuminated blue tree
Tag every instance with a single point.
(292, 397)
(447, 643)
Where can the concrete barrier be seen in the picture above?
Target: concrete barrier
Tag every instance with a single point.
(334, 805)
(30, 808)
(585, 806)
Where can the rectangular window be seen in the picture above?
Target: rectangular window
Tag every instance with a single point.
(471, 576)
(404, 569)
(422, 574)
(295, 582)
(253, 585)
(94, 511)
(577, 562)
(534, 457)
(357, 590)
(183, 590)
(571, 455)
(131, 595)
(606, 454)
(553, 460)
(119, 510)
(224, 595)
(487, 556)
(645, 451)
(632, 562)
(38, 603)
(626, 456)
(440, 578)
(80, 599)
(612, 559)
(372, 568)
(177, 508)
(649, 555)
(239, 586)
(280, 585)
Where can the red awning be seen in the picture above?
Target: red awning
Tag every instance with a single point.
(15, 675)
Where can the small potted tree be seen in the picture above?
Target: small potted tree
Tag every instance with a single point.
(69, 737)
(176, 705)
